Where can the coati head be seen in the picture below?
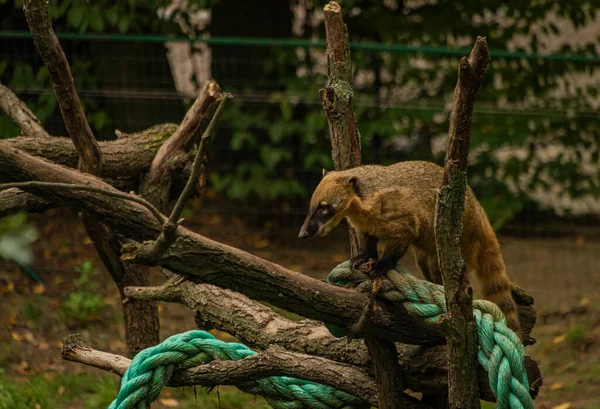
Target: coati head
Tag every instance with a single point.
(329, 204)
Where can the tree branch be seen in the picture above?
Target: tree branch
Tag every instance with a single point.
(275, 361)
(214, 262)
(125, 157)
(40, 25)
(110, 193)
(169, 231)
(424, 369)
(336, 98)
(460, 325)
(18, 111)
(173, 154)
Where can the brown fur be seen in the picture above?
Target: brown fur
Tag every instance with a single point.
(396, 204)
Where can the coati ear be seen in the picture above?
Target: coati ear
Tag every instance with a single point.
(325, 172)
(352, 181)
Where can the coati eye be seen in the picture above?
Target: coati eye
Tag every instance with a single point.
(325, 208)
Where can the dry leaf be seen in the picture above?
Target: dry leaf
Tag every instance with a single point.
(171, 403)
(59, 280)
(565, 405)
(61, 390)
(12, 321)
(60, 344)
(23, 368)
(38, 406)
(584, 302)
(558, 339)
(580, 240)
(39, 289)
(16, 336)
(28, 336)
(43, 346)
(262, 244)
(160, 308)
(5, 289)
(557, 386)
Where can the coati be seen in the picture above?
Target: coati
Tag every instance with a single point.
(396, 205)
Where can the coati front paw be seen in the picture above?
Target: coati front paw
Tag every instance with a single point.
(358, 260)
(381, 268)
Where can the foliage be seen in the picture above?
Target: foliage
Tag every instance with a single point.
(274, 149)
(84, 304)
(16, 237)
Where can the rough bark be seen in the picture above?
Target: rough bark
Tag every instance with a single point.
(40, 25)
(15, 200)
(173, 155)
(336, 98)
(126, 157)
(168, 235)
(424, 369)
(18, 111)
(460, 324)
(141, 318)
(214, 262)
(274, 361)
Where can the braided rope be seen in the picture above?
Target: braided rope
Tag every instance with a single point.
(501, 353)
(153, 368)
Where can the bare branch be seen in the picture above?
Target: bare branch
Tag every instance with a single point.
(173, 154)
(15, 200)
(109, 193)
(169, 231)
(336, 98)
(126, 157)
(18, 111)
(40, 25)
(424, 369)
(214, 262)
(275, 361)
(460, 324)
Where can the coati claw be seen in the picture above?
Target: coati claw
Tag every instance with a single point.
(379, 269)
(358, 260)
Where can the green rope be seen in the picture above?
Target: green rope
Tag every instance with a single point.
(501, 353)
(153, 368)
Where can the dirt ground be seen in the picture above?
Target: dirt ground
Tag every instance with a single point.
(562, 274)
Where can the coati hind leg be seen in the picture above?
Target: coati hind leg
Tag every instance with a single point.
(367, 251)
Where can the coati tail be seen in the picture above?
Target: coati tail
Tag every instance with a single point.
(496, 286)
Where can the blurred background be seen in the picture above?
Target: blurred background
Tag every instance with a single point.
(533, 162)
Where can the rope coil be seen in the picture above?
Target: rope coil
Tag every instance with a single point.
(501, 353)
(153, 368)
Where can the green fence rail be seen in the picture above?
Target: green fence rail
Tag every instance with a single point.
(280, 42)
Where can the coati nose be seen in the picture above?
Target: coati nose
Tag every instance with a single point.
(303, 234)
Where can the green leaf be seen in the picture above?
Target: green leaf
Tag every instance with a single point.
(96, 21)
(75, 15)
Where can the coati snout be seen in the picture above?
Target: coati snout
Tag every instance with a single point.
(328, 205)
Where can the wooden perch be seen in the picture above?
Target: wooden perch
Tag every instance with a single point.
(40, 25)
(336, 98)
(274, 361)
(214, 262)
(460, 325)
(424, 369)
(169, 231)
(124, 158)
(174, 153)
(18, 111)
